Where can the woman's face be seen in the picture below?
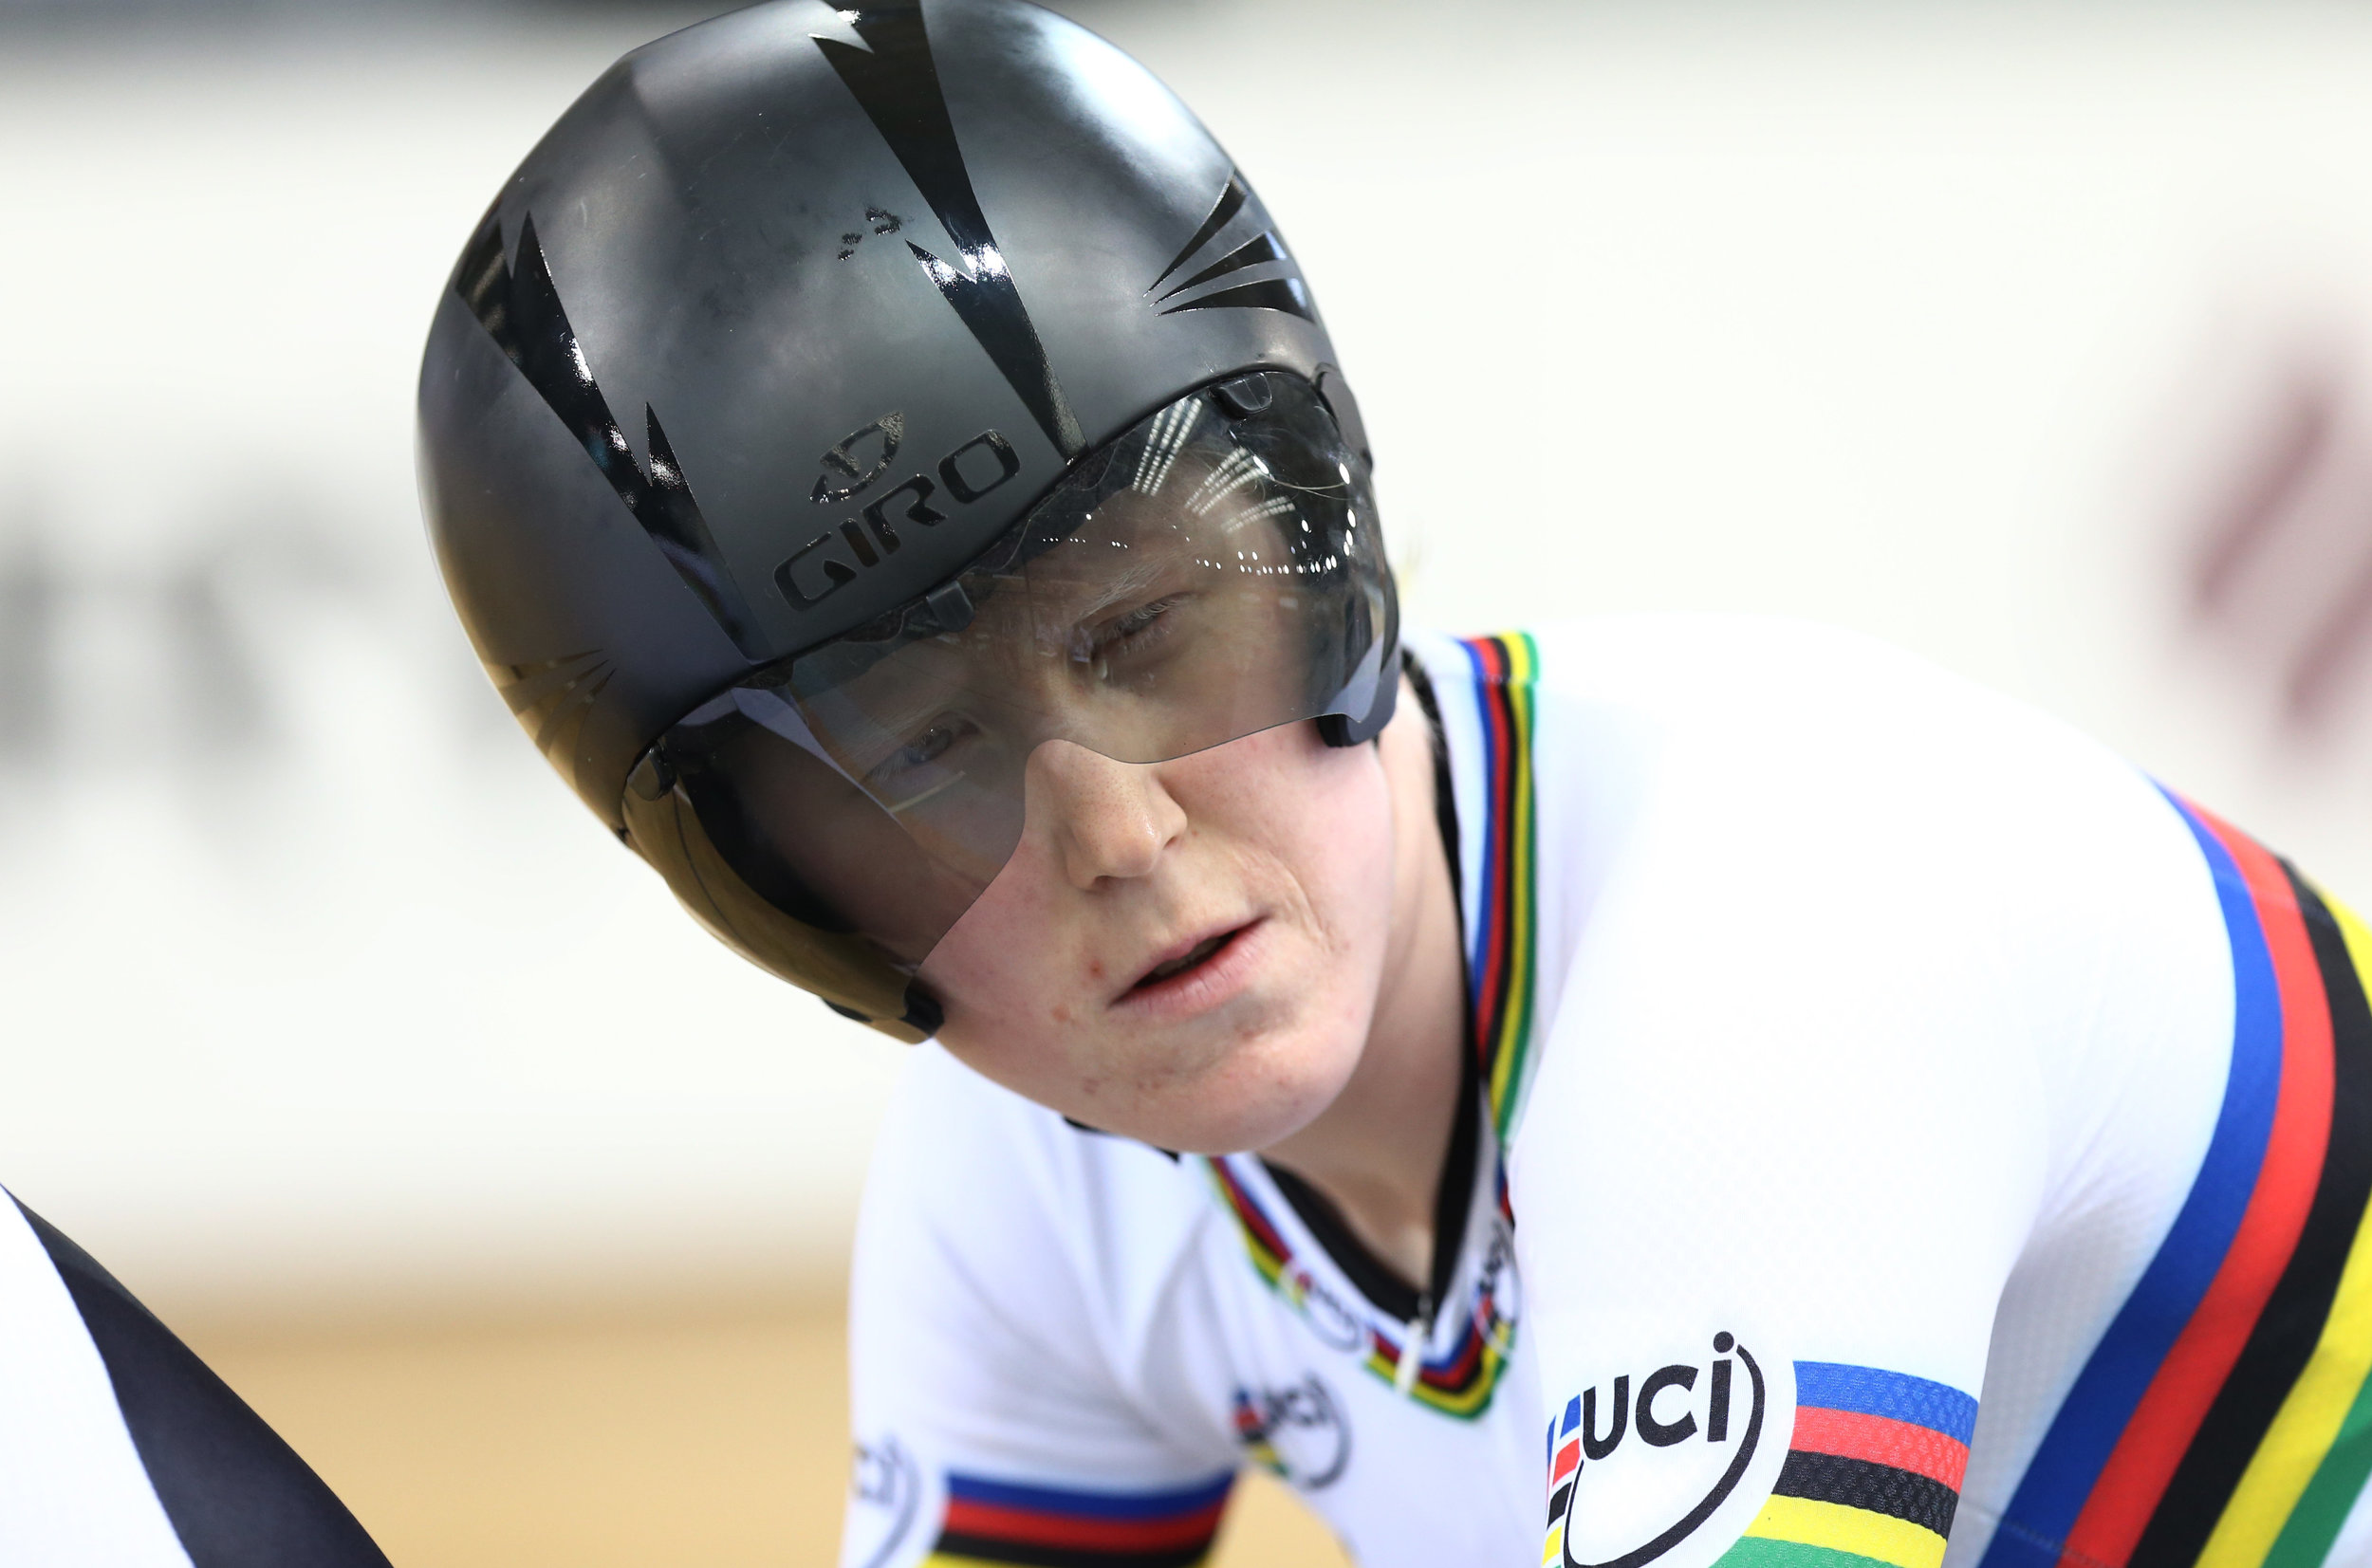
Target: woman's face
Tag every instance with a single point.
(1184, 953)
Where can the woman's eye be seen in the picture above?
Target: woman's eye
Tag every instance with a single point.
(1138, 619)
(1139, 626)
(924, 749)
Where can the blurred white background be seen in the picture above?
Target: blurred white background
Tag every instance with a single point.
(2027, 336)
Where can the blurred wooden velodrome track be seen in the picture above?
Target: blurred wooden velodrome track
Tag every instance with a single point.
(715, 1438)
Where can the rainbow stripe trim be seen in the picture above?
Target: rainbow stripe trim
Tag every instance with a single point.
(1500, 970)
(2224, 1418)
(1872, 1475)
(1458, 1381)
(1500, 967)
(1004, 1522)
(1272, 1254)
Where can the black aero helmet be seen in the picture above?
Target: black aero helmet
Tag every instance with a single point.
(838, 404)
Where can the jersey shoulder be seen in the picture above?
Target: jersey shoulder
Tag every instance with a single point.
(1762, 745)
(1731, 829)
(1754, 721)
(1827, 771)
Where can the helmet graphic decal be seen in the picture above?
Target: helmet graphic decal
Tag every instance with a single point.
(890, 429)
(521, 311)
(1286, 292)
(1260, 247)
(896, 84)
(1230, 203)
(883, 222)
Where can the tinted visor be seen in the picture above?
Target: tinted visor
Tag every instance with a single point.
(1213, 572)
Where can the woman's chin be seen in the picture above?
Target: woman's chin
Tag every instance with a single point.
(1266, 1090)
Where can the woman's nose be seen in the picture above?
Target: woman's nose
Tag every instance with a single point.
(1108, 820)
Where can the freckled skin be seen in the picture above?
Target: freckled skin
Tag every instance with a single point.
(1328, 1031)
(1118, 865)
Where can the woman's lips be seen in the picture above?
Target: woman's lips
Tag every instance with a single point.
(1195, 975)
(1186, 959)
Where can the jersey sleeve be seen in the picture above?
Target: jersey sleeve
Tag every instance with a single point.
(1792, 1128)
(991, 1422)
(119, 1448)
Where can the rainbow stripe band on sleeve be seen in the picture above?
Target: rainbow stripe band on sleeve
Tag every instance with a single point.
(1004, 1522)
(1872, 1475)
(2224, 1418)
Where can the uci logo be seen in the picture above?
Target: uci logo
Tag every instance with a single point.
(887, 1489)
(1638, 1464)
(832, 559)
(1296, 1432)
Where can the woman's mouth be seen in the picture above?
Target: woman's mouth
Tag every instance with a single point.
(1190, 958)
(1202, 975)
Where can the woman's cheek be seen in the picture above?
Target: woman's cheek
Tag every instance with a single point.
(1343, 844)
(1007, 1013)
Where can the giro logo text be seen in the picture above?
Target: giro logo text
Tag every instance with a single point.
(1640, 1460)
(832, 559)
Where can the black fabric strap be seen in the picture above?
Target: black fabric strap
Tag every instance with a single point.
(238, 1497)
(1444, 789)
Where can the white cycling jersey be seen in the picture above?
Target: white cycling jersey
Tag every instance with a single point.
(1893, 1120)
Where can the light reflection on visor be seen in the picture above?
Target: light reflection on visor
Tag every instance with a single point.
(1208, 575)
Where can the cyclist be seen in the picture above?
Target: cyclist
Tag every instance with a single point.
(1647, 1091)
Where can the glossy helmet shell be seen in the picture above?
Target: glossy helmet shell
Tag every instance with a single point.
(789, 264)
